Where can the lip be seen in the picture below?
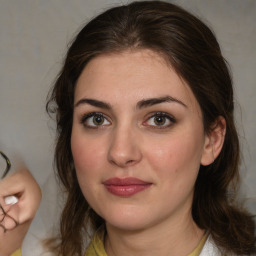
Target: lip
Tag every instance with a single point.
(125, 187)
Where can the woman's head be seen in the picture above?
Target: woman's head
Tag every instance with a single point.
(191, 50)
(137, 137)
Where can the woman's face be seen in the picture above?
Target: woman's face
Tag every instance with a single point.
(137, 140)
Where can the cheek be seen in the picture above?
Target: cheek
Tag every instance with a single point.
(86, 153)
(87, 160)
(176, 155)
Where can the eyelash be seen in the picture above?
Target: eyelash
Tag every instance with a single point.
(86, 117)
(170, 118)
(166, 116)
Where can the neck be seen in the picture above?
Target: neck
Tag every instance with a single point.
(177, 236)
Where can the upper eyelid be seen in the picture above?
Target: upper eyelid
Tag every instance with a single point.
(171, 121)
(84, 117)
(160, 113)
(83, 120)
(171, 118)
(91, 114)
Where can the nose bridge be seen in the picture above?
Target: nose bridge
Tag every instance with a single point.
(124, 148)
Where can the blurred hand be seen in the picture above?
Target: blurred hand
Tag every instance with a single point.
(16, 218)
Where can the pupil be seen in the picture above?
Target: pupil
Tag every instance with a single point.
(159, 120)
(97, 120)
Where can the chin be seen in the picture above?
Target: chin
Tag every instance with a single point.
(128, 226)
(128, 221)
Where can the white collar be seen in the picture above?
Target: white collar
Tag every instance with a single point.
(210, 248)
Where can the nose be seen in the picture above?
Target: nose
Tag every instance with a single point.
(124, 150)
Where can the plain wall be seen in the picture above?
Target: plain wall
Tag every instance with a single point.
(33, 40)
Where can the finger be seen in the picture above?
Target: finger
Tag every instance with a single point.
(9, 223)
(11, 240)
(14, 183)
(22, 190)
(2, 229)
(7, 202)
(9, 216)
(4, 209)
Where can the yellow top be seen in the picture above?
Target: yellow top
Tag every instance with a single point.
(17, 253)
(96, 247)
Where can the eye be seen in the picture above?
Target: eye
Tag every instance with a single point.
(94, 120)
(160, 120)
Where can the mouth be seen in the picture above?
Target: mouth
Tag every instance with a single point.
(125, 187)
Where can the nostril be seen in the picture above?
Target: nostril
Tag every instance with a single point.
(123, 151)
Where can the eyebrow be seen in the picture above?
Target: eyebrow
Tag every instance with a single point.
(95, 103)
(153, 101)
(141, 104)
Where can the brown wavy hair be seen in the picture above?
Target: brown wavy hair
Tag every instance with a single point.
(193, 51)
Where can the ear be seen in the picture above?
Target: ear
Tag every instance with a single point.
(214, 141)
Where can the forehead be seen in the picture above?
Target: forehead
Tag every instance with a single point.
(131, 76)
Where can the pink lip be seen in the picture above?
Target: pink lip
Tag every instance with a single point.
(125, 187)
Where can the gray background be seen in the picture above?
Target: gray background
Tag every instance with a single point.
(34, 35)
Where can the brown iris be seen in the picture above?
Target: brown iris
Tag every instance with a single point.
(98, 120)
(159, 120)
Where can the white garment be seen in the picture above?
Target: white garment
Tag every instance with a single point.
(210, 248)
